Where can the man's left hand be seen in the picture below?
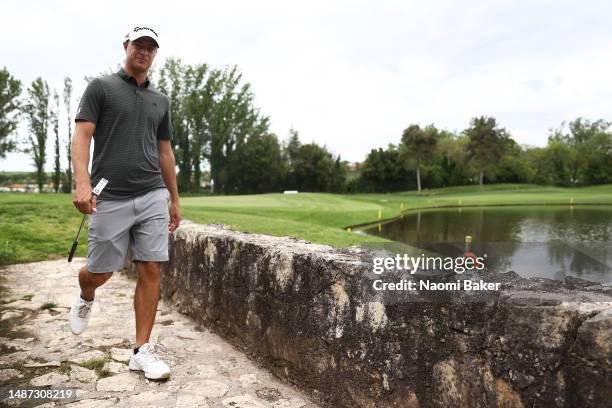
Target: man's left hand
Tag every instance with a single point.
(175, 217)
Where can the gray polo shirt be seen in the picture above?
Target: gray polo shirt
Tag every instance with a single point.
(129, 119)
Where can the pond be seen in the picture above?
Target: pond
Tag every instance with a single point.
(534, 241)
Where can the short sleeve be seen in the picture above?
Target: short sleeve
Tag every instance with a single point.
(164, 132)
(91, 103)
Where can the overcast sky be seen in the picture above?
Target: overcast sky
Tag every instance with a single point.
(347, 74)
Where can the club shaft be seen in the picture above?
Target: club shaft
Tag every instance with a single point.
(76, 240)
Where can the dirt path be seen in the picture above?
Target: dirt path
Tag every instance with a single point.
(37, 348)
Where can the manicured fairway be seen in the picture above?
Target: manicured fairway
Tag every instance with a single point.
(321, 217)
(41, 226)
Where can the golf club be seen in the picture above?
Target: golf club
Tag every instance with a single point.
(96, 191)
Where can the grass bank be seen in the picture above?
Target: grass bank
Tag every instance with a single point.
(42, 226)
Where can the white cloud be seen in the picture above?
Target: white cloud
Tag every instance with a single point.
(348, 74)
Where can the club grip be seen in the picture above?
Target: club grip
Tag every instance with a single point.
(73, 250)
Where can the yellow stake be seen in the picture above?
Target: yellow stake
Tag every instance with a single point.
(379, 213)
(459, 203)
(348, 229)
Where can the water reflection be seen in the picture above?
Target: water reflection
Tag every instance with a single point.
(551, 242)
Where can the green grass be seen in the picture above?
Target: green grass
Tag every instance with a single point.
(48, 306)
(42, 226)
(37, 227)
(98, 364)
(322, 218)
(65, 368)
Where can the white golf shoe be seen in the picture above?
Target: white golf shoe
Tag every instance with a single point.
(79, 314)
(148, 361)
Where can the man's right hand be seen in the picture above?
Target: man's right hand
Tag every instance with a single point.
(84, 200)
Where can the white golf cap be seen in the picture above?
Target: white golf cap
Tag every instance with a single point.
(138, 32)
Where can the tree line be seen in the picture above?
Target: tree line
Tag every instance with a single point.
(577, 154)
(41, 109)
(215, 121)
(217, 127)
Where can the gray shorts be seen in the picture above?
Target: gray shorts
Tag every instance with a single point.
(140, 222)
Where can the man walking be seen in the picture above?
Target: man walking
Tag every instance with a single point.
(130, 124)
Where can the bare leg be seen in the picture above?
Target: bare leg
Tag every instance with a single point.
(145, 299)
(89, 281)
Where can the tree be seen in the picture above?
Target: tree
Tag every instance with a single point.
(67, 186)
(598, 167)
(54, 117)
(339, 176)
(293, 145)
(212, 112)
(37, 111)
(587, 151)
(487, 144)
(451, 157)
(314, 168)
(233, 119)
(420, 144)
(514, 166)
(10, 89)
(552, 163)
(203, 85)
(385, 170)
(291, 151)
(172, 83)
(255, 165)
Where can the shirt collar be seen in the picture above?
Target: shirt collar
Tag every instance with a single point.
(131, 80)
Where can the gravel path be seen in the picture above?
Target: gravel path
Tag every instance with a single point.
(38, 349)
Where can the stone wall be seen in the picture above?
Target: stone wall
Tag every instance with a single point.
(307, 313)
